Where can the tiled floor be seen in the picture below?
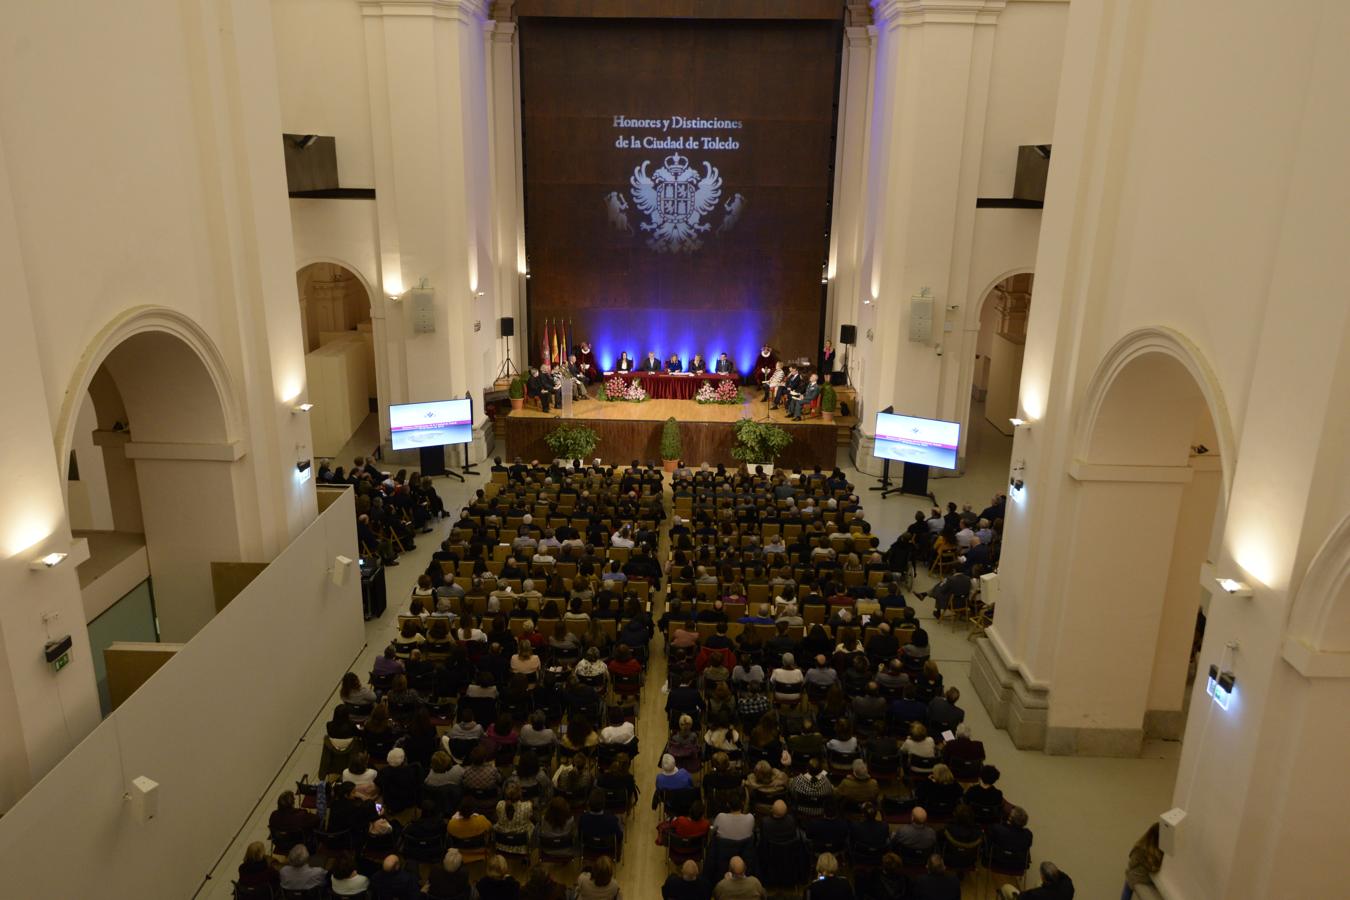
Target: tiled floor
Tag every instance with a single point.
(1086, 813)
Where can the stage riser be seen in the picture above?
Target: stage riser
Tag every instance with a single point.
(622, 441)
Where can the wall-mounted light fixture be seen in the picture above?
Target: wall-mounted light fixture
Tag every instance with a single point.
(49, 561)
(302, 407)
(1233, 587)
(1220, 686)
(1017, 423)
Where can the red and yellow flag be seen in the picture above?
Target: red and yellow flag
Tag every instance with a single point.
(543, 353)
(555, 346)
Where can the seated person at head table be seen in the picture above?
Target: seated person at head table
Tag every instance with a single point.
(674, 364)
(697, 365)
(625, 363)
(764, 363)
(652, 363)
(724, 366)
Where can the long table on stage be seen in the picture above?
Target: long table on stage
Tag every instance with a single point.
(660, 386)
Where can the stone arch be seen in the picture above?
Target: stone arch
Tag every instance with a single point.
(1320, 616)
(1173, 353)
(149, 320)
(981, 298)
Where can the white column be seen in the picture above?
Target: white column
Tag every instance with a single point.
(850, 164)
(932, 72)
(430, 119)
(508, 194)
(45, 713)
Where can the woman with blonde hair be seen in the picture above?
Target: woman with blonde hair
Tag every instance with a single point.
(256, 869)
(498, 883)
(598, 883)
(1146, 859)
(828, 884)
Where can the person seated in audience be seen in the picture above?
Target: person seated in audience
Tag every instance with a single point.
(468, 632)
(821, 676)
(693, 824)
(289, 818)
(580, 734)
(591, 668)
(915, 836)
(787, 679)
(943, 713)
(256, 869)
(558, 823)
(828, 884)
(564, 643)
(576, 776)
(398, 783)
(502, 735)
(360, 774)
(624, 664)
(983, 797)
(1055, 885)
(387, 664)
(466, 727)
(919, 743)
(882, 645)
(747, 671)
(766, 782)
(928, 683)
(686, 884)
(515, 817)
(535, 733)
(765, 741)
(721, 734)
(484, 686)
(762, 616)
(684, 699)
(449, 879)
(685, 636)
(346, 880)
(444, 770)
(525, 662)
(429, 826)
(684, 743)
(858, 786)
(347, 811)
(844, 741)
(737, 884)
(734, 824)
(618, 778)
(869, 706)
(955, 587)
(596, 882)
(1011, 835)
(596, 823)
(298, 874)
(481, 773)
(400, 695)
(721, 701)
(468, 824)
(395, 882)
(354, 692)
(936, 883)
(670, 777)
(939, 792)
(868, 830)
(891, 677)
(809, 790)
(497, 881)
(619, 730)
(778, 826)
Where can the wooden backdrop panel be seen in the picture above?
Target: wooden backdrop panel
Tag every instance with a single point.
(756, 277)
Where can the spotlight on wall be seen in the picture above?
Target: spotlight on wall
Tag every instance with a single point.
(304, 142)
(1016, 422)
(1199, 449)
(1233, 587)
(50, 561)
(302, 407)
(1220, 685)
(303, 465)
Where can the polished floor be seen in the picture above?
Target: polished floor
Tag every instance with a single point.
(1085, 813)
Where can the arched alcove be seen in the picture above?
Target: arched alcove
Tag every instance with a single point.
(1149, 483)
(335, 314)
(152, 415)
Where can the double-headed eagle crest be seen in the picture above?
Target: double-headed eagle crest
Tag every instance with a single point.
(675, 198)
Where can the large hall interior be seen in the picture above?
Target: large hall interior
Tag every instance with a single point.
(695, 449)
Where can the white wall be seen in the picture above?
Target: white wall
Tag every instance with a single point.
(212, 726)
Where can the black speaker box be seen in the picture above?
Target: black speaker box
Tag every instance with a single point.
(838, 378)
(508, 326)
(848, 334)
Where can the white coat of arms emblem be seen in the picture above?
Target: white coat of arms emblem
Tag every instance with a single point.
(675, 198)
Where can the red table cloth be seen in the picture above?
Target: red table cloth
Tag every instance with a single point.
(671, 387)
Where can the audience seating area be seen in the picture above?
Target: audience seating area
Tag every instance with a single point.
(812, 750)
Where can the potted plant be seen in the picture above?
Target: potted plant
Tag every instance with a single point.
(517, 392)
(572, 442)
(671, 446)
(829, 402)
(759, 443)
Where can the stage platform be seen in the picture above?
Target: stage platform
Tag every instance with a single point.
(633, 431)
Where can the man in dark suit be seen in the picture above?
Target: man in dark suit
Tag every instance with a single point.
(651, 363)
(545, 386)
(805, 397)
(792, 383)
(724, 366)
(936, 883)
(394, 882)
(579, 379)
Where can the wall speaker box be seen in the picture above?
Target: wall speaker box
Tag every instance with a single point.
(508, 326)
(838, 378)
(422, 303)
(920, 319)
(848, 334)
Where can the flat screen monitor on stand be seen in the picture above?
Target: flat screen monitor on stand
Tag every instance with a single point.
(429, 427)
(917, 442)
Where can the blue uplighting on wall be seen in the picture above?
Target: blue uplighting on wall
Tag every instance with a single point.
(674, 331)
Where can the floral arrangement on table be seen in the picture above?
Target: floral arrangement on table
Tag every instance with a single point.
(618, 389)
(726, 392)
